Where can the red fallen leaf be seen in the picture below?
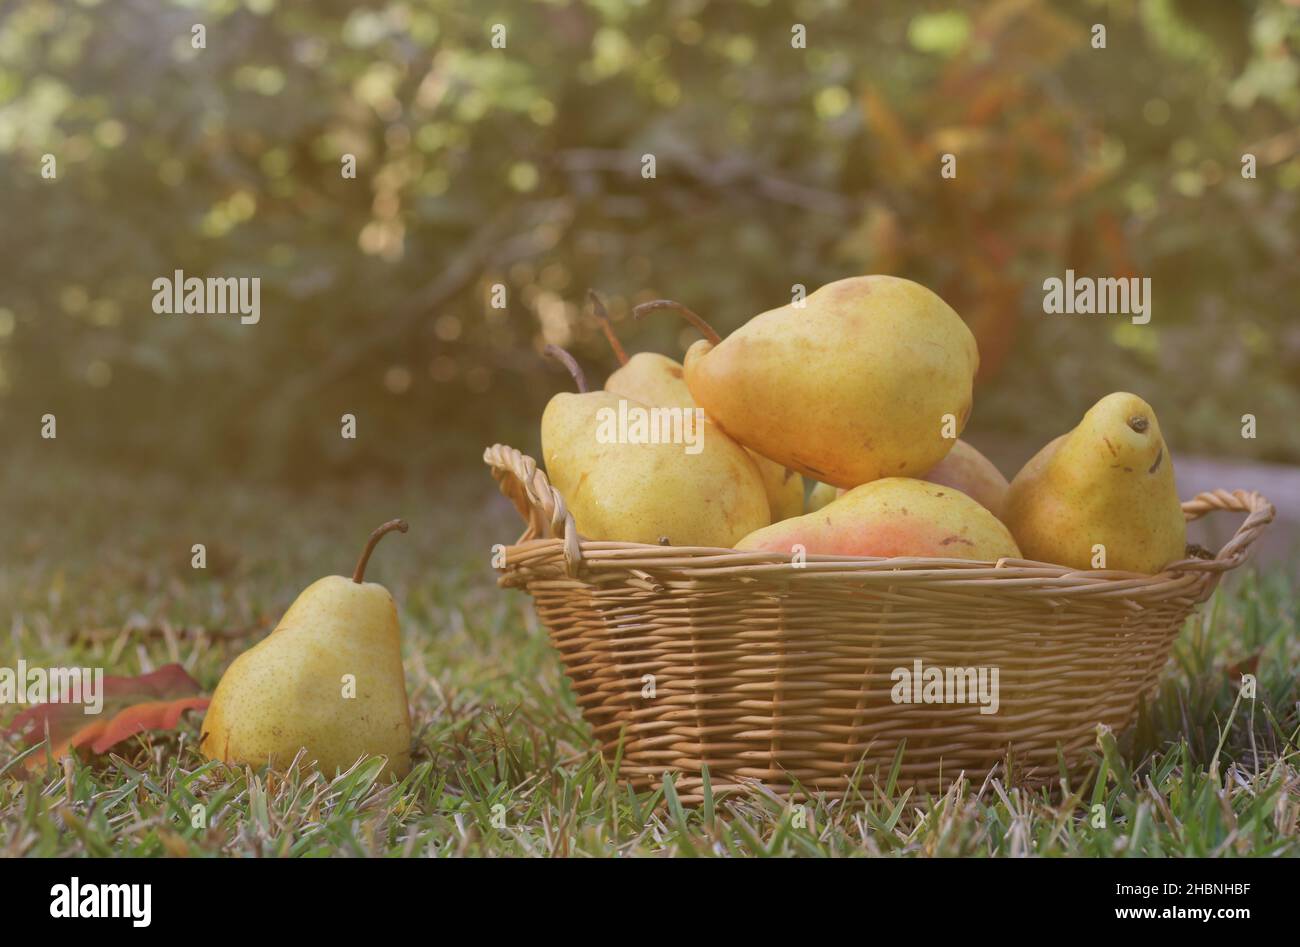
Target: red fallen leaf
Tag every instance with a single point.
(132, 705)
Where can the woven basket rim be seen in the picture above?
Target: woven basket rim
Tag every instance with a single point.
(550, 529)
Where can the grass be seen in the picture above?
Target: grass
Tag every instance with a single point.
(97, 572)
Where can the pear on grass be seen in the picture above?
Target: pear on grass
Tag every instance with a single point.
(619, 488)
(862, 380)
(1108, 483)
(328, 679)
(658, 380)
(894, 516)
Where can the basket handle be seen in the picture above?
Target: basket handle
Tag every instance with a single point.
(1259, 512)
(539, 503)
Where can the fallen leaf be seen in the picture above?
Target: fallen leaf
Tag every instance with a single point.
(132, 705)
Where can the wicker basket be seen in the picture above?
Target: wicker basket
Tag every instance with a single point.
(768, 671)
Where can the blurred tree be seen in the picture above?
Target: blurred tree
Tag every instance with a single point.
(521, 167)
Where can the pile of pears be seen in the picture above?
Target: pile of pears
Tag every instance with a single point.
(863, 388)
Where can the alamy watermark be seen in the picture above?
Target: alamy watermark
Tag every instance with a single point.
(59, 685)
(216, 295)
(1084, 295)
(946, 685)
(634, 423)
(75, 899)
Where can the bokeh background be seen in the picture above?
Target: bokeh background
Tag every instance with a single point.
(522, 166)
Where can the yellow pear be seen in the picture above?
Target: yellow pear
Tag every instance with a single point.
(783, 486)
(651, 378)
(1108, 483)
(894, 516)
(647, 376)
(328, 679)
(969, 471)
(655, 379)
(820, 495)
(964, 469)
(868, 377)
(693, 487)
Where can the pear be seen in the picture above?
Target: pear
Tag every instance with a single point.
(894, 516)
(647, 376)
(969, 471)
(820, 495)
(1108, 482)
(655, 379)
(328, 679)
(783, 486)
(964, 469)
(651, 378)
(868, 377)
(705, 491)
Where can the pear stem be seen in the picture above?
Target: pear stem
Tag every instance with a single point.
(602, 315)
(378, 534)
(706, 330)
(568, 361)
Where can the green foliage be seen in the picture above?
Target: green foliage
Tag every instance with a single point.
(522, 165)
